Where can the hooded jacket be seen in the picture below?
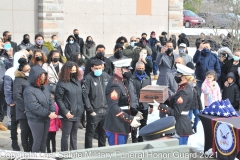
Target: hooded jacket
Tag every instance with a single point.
(232, 91)
(71, 48)
(38, 102)
(19, 85)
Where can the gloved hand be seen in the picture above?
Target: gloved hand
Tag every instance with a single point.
(155, 103)
(93, 114)
(139, 114)
(135, 123)
(163, 108)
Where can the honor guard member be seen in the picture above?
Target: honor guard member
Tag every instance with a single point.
(118, 123)
(163, 128)
(180, 103)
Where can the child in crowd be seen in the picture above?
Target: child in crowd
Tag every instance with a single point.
(211, 89)
(231, 91)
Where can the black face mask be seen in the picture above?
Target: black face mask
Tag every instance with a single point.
(140, 72)
(143, 38)
(29, 56)
(80, 61)
(118, 54)
(177, 79)
(9, 38)
(169, 51)
(73, 75)
(55, 59)
(122, 42)
(39, 58)
(26, 40)
(100, 55)
(75, 35)
(127, 75)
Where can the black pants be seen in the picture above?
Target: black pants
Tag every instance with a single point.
(51, 137)
(143, 122)
(94, 122)
(40, 133)
(14, 123)
(69, 128)
(26, 135)
(3, 105)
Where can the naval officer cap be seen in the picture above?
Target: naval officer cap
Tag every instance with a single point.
(124, 63)
(184, 70)
(158, 129)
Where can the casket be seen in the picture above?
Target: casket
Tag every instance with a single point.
(157, 93)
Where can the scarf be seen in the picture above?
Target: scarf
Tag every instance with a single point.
(140, 77)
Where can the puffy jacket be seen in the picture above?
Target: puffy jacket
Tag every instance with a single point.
(205, 62)
(55, 123)
(232, 91)
(68, 96)
(89, 52)
(24, 46)
(44, 49)
(37, 100)
(71, 48)
(139, 85)
(19, 85)
(94, 91)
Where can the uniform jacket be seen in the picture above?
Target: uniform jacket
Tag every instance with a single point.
(164, 66)
(71, 48)
(205, 62)
(117, 95)
(37, 101)
(94, 91)
(89, 52)
(69, 98)
(23, 45)
(19, 85)
(180, 102)
(55, 123)
(44, 49)
(52, 74)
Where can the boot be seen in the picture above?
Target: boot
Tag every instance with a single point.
(155, 77)
(2, 127)
(15, 145)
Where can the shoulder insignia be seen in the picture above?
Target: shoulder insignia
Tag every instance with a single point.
(114, 95)
(180, 100)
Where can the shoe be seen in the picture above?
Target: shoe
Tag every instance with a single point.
(15, 145)
(80, 126)
(2, 127)
(155, 77)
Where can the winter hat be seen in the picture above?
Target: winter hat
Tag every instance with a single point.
(190, 65)
(118, 45)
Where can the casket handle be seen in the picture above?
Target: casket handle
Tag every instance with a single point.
(153, 97)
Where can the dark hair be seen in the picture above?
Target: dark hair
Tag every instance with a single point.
(25, 35)
(120, 39)
(49, 57)
(74, 58)
(96, 62)
(164, 33)
(213, 73)
(75, 30)
(5, 33)
(54, 36)
(144, 34)
(66, 71)
(22, 62)
(88, 37)
(100, 46)
(38, 35)
(205, 42)
(44, 58)
(202, 33)
(169, 42)
(1, 39)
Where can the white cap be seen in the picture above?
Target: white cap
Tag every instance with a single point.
(184, 70)
(123, 63)
(183, 45)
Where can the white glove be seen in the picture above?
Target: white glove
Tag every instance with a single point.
(93, 114)
(135, 123)
(155, 103)
(238, 70)
(139, 114)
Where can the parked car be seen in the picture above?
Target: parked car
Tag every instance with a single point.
(190, 19)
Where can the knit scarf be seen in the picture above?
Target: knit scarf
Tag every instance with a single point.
(140, 77)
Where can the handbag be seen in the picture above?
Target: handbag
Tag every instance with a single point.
(51, 85)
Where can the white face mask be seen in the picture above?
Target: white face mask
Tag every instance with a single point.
(143, 55)
(26, 74)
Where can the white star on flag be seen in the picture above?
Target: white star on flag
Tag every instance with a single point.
(214, 106)
(228, 113)
(218, 113)
(225, 114)
(212, 113)
(206, 112)
(233, 113)
(229, 106)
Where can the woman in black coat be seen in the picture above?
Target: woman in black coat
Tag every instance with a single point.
(19, 84)
(68, 96)
(39, 107)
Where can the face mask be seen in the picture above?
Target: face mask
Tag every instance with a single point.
(222, 37)
(177, 79)
(55, 59)
(39, 42)
(118, 54)
(127, 75)
(181, 50)
(26, 74)
(205, 50)
(75, 35)
(26, 40)
(55, 41)
(169, 51)
(121, 42)
(144, 38)
(39, 58)
(98, 73)
(132, 44)
(9, 38)
(73, 75)
(29, 56)
(236, 58)
(7, 47)
(71, 42)
(140, 72)
(100, 55)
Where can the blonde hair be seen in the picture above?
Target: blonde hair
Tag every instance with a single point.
(189, 78)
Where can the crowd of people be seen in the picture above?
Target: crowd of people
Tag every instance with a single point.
(44, 88)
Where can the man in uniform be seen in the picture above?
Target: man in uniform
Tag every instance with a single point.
(117, 123)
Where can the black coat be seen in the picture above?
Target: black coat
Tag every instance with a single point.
(108, 66)
(19, 85)
(14, 46)
(196, 102)
(68, 96)
(80, 42)
(148, 66)
(71, 49)
(37, 100)
(94, 91)
(138, 86)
